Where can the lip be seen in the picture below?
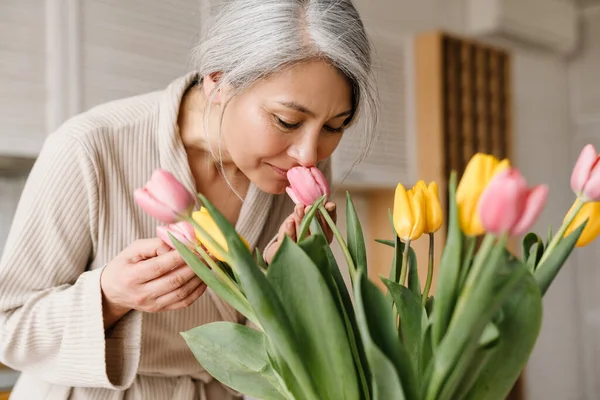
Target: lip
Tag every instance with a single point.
(279, 171)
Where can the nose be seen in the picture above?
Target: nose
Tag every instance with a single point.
(305, 150)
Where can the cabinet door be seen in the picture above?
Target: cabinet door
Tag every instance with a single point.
(22, 77)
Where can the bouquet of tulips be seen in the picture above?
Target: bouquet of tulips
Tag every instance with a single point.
(311, 338)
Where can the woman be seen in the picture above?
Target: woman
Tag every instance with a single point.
(91, 303)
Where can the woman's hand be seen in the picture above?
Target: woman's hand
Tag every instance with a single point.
(147, 276)
(291, 227)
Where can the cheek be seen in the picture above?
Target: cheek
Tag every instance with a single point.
(250, 135)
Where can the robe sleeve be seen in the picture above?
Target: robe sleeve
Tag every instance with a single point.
(51, 323)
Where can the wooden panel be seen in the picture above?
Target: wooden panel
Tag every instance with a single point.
(4, 395)
(463, 106)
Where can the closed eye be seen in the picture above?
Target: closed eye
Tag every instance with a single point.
(287, 125)
(335, 130)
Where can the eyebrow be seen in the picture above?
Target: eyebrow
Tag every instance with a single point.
(302, 109)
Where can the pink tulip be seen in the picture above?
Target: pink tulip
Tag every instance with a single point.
(508, 205)
(183, 231)
(164, 197)
(585, 179)
(307, 185)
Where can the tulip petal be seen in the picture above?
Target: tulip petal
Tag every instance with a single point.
(591, 212)
(292, 194)
(169, 191)
(402, 215)
(183, 231)
(302, 182)
(205, 220)
(534, 204)
(321, 181)
(591, 189)
(419, 212)
(583, 166)
(435, 216)
(469, 190)
(480, 169)
(502, 202)
(153, 207)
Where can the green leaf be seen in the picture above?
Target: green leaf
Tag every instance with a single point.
(396, 261)
(490, 336)
(344, 302)
(314, 317)
(549, 236)
(547, 270)
(308, 218)
(378, 333)
(225, 292)
(267, 306)
(519, 329)
(282, 371)
(380, 336)
(260, 259)
(389, 243)
(469, 246)
(479, 300)
(426, 353)
(476, 366)
(315, 246)
(414, 283)
(532, 248)
(235, 356)
(413, 322)
(447, 287)
(356, 240)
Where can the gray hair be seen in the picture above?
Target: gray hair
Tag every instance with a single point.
(248, 40)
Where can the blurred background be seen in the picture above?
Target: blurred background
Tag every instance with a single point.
(516, 78)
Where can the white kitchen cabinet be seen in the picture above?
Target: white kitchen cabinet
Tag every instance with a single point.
(61, 57)
(22, 76)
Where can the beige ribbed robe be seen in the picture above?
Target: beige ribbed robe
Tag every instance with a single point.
(76, 213)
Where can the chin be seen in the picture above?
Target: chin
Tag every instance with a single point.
(271, 186)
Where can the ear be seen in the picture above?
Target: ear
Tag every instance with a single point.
(209, 83)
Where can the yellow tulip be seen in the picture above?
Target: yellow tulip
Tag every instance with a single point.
(204, 219)
(591, 212)
(479, 172)
(409, 213)
(435, 216)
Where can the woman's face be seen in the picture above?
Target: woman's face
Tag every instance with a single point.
(294, 118)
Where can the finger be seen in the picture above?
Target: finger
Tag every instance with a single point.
(144, 249)
(298, 216)
(189, 300)
(331, 208)
(290, 228)
(177, 295)
(326, 228)
(151, 269)
(170, 281)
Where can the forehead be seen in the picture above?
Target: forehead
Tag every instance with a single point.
(315, 84)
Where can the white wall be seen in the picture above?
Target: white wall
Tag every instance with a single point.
(542, 141)
(584, 102)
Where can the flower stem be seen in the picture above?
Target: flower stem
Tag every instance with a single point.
(404, 267)
(563, 228)
(429, 270)
(338, 236)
